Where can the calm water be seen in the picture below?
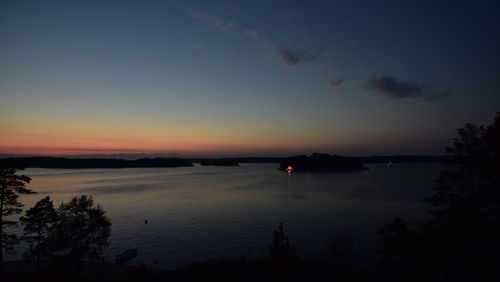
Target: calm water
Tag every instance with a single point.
(198, 213)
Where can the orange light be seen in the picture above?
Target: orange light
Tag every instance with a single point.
(289, 169)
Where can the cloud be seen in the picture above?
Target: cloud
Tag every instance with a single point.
(253, 34)
(218, 23)
(297, 57)
(288, 57)
(336, 81)
(397, 89)
(224, 26)
(435, 96)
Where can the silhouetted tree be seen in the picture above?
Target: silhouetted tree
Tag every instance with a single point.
(340, 255)
(462, 241)
(281, 246)
(398, 255)
(37, 224)
(282, 254)
(81, 231)
(11, 186)
(466, 198)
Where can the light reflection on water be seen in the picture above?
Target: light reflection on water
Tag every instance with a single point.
(197, 213)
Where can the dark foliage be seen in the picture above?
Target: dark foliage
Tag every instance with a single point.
(11, 186)
(462, 241)
(397, 258)
(37, 225)
(282, 257)
(81, 231)
(281, 246)
(65, 243)
(340, 253)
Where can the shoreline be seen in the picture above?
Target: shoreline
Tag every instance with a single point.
(83, 163)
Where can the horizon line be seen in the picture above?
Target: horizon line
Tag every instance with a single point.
(201, 156)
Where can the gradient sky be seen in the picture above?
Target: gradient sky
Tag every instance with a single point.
(249, 78)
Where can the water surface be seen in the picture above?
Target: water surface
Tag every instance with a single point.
(198, 213)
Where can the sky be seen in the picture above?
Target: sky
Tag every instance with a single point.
(243, 78)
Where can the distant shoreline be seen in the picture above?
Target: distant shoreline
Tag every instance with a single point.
(81, 163)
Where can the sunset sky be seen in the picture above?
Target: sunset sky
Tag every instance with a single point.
(245, 78)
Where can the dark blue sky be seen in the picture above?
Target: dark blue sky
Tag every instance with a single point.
(252, 77)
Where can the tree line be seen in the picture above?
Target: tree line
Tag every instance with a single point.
(71, 232)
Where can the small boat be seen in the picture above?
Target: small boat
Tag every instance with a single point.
(126, 256)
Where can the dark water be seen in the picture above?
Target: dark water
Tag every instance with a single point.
(198, 213)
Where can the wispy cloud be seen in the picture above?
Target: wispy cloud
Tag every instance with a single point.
(336, 81)
(287, 55)
(395, 88)
(398, 89)
(297, 57)
(251, 33)
(435, 96)
(224, 25)
(216, 22)
(388, 86)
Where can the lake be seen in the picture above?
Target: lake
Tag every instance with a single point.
(203, 212)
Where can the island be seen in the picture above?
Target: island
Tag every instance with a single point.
(331, 162)
(321, 163)
(219, 162)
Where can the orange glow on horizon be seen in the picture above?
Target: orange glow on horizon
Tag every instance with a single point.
(29, 135)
